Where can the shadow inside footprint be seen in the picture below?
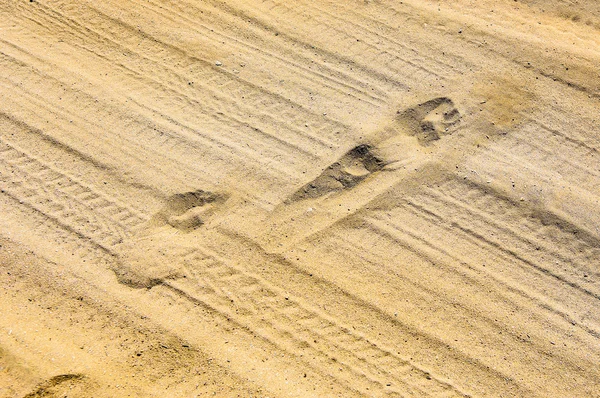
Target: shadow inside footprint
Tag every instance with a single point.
(347, 172)
(62, 386)
(187, 211)
(430, 120)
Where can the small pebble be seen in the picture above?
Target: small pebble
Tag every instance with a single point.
(218, 63)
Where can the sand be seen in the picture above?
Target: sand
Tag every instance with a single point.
(299, 199)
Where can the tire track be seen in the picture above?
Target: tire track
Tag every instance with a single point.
(143, 129)
(462, 275)
(344, 84)
(290, 325)
(579, 227)
(407, 237)
(220, 285)
(158, 54)
(361, 22)
(303, 331)
(348, 63)
(534, 294)
(538, 343)
(83, 210)
(265, 161)
(506, 41)
(155, 79)
(576, 158)
(486, 233)
(485, 213)
(392, 64)
(461, 264)
(351, 309)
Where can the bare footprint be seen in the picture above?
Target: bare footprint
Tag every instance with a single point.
(430, 120)
(348, 171)
(146, 260)
(427, 122)
(187, 211)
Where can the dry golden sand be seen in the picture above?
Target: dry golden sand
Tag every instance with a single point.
(295, 199)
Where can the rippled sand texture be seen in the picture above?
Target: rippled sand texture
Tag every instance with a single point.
(299, 199)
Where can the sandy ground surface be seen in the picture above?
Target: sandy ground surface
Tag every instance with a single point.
(294, 199)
